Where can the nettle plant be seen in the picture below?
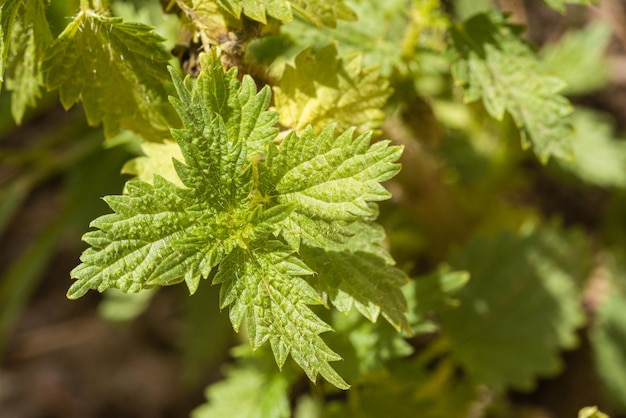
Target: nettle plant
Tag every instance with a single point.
(262, 174)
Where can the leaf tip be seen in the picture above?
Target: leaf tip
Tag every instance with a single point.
(75, 291)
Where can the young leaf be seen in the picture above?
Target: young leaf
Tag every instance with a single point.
(210, 18)
(116, 69)
(492, 63)
(234, 212)
(133, 248)
(320, 12)
(31, 36)
(331, 182)
(323, 89)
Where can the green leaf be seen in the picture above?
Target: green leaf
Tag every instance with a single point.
(133, 248)
(332, 179)
(30, 38)
(242, 110)
(264, 287)
(247, 392)
(520, 307)
(560, 4)
(320, 12)
(322, 89)
(8, 10)
(376, 35)
(233, 210)
(360, 273)
(116, 69)
(492, 63)
(578, 59)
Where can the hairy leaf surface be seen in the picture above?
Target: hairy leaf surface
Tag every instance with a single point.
(324, 89)
(161, 233)
(360, 272)
(263, 286)
(116, 69)
(238, 204)
(332, 179)
(494, 65)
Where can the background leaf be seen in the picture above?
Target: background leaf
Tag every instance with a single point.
(322, 89)
(519, 309)
(247, 392)
(30, 38)
(491, 63)
(117, 69)
(600, 158)
(608, 333)
(8, 10)
(578, 59)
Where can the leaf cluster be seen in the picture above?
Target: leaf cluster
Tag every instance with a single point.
(261, 172)
(265, 216)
